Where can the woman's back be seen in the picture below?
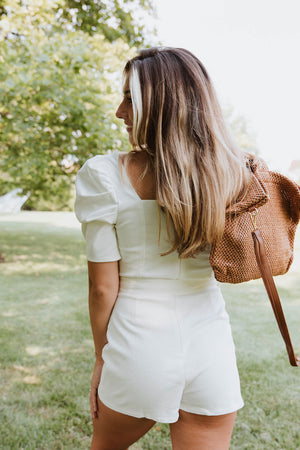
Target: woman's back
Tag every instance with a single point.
(145, 187)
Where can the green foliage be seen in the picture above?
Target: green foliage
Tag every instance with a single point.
(59, 92)
(114, 19)
(2, 9)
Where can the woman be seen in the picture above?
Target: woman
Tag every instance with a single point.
(163, 343)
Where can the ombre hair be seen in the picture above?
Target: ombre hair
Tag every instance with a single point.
(199, 169)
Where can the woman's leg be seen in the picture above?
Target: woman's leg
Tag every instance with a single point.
(197, 432)
(116, 431)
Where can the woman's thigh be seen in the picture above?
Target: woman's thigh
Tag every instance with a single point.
(198, 432)
(115, 431)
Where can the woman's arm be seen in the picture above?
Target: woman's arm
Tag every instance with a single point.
(103, 292)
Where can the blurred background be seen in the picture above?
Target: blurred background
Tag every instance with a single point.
(60, 81)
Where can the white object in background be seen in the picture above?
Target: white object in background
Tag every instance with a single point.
(12, 202)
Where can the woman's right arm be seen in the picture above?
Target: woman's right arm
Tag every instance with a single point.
(103, 292)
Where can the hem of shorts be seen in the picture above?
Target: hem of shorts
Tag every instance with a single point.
(147, 415)
(206, 412)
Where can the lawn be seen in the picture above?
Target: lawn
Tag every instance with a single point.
(47, 349)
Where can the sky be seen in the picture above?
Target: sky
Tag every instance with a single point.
(251, 49)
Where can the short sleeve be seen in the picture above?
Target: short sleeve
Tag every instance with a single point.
(96, 207)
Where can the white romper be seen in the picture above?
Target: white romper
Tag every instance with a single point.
(169, 338)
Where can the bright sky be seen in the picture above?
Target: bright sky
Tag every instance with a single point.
(251, 49)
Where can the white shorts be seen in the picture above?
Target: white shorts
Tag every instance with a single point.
(169, 347)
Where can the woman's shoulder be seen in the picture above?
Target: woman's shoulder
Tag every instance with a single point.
(101, 163)
(95, 189)
(100, 168)
(98, 174)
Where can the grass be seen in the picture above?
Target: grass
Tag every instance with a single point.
(47, 349)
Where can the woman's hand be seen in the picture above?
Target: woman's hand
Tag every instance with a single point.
(94, 387)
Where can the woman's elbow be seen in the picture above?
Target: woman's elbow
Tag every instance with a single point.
(101, 292)
(103, 280)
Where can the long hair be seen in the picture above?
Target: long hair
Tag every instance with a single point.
(199, 169)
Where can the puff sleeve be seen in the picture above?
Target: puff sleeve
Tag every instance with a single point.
(96, 207)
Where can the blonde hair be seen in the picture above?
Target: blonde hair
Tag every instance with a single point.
(199, 169)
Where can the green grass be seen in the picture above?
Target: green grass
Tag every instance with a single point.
(47, 349)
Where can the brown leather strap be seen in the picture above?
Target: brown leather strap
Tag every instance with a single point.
(268, 280)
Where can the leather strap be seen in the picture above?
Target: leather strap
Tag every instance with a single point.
(268, 280)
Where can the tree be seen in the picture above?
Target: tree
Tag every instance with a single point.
(58, 95)
(112, 18)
